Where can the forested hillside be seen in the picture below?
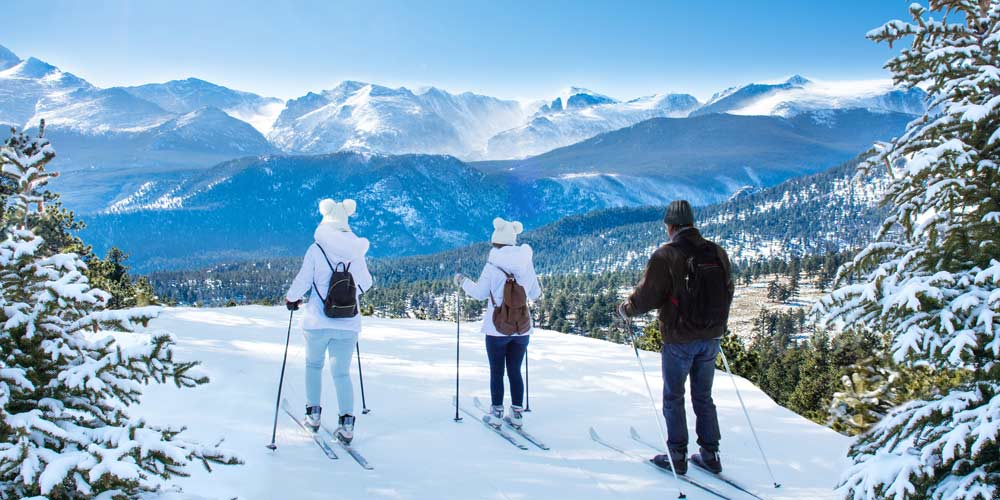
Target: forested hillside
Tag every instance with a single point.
(827, 212)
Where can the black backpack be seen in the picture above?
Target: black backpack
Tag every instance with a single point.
(341, 294)
(704, 300)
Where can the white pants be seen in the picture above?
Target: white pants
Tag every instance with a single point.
(339, 345)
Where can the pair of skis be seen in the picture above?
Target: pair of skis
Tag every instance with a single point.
(324, 441)
(504, 431)
(693, 482)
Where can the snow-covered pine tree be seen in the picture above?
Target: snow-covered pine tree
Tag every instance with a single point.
(70, 368)
(931, 279)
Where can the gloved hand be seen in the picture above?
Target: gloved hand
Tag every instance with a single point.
(458, 279)
(293, 305)
(621, 312)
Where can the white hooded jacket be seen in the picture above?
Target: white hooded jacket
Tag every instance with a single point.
(515, 260)
(340, 246)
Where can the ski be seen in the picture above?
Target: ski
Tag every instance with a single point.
(726, 479)
(697, 484)
(357, 456)
(523, 433)
(500, 432)
(327, 449)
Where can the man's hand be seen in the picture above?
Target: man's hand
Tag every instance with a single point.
(293, 305)
(621, 312)
(458, 279)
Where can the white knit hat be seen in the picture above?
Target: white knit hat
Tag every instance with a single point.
(505, 233)
(336, 214)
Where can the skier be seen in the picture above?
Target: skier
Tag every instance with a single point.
(689, 280)
(336, 249)
(508, 281)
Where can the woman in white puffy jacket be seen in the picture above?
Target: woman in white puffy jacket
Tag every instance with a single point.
(334, 244)
(505, 351)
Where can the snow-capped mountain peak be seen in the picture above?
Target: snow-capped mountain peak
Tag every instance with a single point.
(360, 116)
(190, 94)
(798, 94)
(797, 81)
(7, 58)
(576, 98)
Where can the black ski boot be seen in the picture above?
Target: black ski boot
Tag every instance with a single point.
(313, 417)
(679, 458)
(345, 429)
(708, 460)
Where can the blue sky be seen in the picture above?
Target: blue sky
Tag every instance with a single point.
(507, 48)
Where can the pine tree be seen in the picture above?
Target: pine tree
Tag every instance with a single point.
(866, 398)
(930, 280)
(70, 368)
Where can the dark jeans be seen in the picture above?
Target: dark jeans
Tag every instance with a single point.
(696, 359)
(506, 352)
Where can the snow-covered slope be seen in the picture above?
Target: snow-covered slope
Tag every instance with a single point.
(185, 96)
(117, 127)
(23, 84)
(799, 94)
(416, 448)
(7, 58)
(368, 117)
(580, 114)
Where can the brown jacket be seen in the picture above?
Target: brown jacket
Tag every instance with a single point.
(665, 273)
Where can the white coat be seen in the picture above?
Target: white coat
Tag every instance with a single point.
(340, 246)
(515, 260)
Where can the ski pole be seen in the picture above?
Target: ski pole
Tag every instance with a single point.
(458, 331)
(658, 418)
(747, 415)
(361, 376)
(527, 383)
(281, 381)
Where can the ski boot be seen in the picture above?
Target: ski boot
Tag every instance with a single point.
(495, 418)
(345, 429)
(709, 460)
(516, 419)
(312, 420)
(679, 458)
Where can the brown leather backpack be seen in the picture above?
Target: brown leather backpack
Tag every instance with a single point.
(511, 316)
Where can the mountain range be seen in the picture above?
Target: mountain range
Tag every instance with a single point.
(252, 208)
(160, 125)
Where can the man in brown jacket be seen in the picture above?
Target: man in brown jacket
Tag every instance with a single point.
(689, 280)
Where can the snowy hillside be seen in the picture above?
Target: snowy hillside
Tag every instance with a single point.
(369, 117)
(118, 127)
(185, 96)
(798, 94)
(416, 448)
(580, 114)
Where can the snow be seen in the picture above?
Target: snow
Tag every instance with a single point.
(813, 94)
(419, 452)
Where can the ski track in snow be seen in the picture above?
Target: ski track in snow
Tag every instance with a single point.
(416, 448)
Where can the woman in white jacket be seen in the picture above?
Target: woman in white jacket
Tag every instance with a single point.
(504, 351)
(336, 337)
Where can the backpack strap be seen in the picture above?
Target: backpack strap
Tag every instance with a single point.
(327, 259)
(505, 273)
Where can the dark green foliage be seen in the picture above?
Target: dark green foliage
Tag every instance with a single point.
(111, 275)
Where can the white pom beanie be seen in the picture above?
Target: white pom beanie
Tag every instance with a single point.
(505, 232)
(335, 214)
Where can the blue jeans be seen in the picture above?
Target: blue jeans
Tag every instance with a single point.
(506, 352)
(339, 345)
(696, 359)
